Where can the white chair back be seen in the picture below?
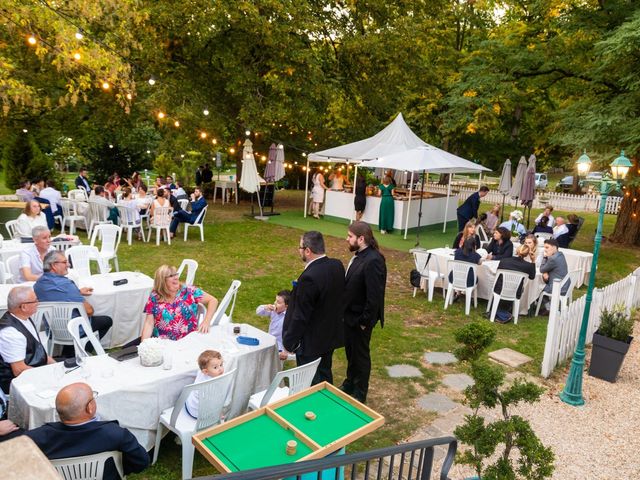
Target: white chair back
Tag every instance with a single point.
(5, 275)
(184, 203)
(574, 278)
(161, 217)
(11, 227)
(299, 379)
(58, 315)
(200, 218)
(110, 235)
(511, 281)
(80, 257)
(64, 245)
(78, 194)
(129, 216)
(544, 235)
(89, 467)
(79, 343)
(192, 267)
(426, 262)
(13, 267)
(68, 207)
(201, 313)
(460, 271)
(219, 317)
(484, 238)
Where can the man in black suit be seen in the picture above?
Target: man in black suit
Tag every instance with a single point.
(364, 305)
(80, 433)
(469, 209)
(82, 182)
(313, 323)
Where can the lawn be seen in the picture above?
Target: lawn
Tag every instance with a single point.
(264, 256)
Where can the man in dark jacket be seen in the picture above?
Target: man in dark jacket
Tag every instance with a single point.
(80, 433)
(198, 202)
(364, 305)
(469, 209)
(312, 326)
(82, 182)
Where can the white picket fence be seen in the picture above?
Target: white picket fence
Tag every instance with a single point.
(564, 327)
(560, 201)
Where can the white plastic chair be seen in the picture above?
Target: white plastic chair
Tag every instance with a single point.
(459, 284)
(482, 235)
(110, 235)
(198, 223)
(99, 214)
(565, 299)
(160, 222)
(80, 257)
(71, 216)
(429, 268)
(544, 235)
(511, 281)
(184, 203)
(13, 267)
(192, 267)
(80, 343)
(11, 226)
(64, 245)
(130, 219)
(300, 378)
(220, 317)
(89, 467)
(78, 194)
(58, 315)
(5, 274)
(212, 395)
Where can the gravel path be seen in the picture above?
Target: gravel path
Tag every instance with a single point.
(600, 440)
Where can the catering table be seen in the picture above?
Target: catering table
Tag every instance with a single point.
(486, 277)
(136, 395)
(123, 303)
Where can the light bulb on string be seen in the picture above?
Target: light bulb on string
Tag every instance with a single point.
(32, 40)
(110, 145)
(106, 86)
(203, 135)
(77, 56)
(214, 141)
(232, 150)
(205, 112)
(176, 124)
(129, 96)
(182, 156)
(247, 132)
(161, 115)
(152, 81)
(79, 36)
(24, 130)
(148, 152)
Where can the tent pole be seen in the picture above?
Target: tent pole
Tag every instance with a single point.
(446, 207)
(502, 209)
(406, 221)
(480, 180)
(306, 191)
(353, 192)
(420, 213)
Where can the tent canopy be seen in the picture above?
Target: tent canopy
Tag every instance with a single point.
(395, 137)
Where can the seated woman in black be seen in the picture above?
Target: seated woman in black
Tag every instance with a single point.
(572, 225)
(467, 254)
(468, 232)
(500, 246)
(543, 226)
(517, 264)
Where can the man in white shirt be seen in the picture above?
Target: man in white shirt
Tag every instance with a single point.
(53, 195)
(32, 256)
(560, 228)
(20, 345)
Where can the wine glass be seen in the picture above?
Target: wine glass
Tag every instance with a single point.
(82, 363)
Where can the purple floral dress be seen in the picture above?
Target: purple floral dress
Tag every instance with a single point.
(177, 319)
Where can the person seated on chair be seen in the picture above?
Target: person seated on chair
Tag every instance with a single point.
(211, 366)
(518, 263)
(573, 224)
(561, 232)
(80, 432)
(467, 253)
(546, 213)
(30, 218)
(513, 225)
(24, 193)
(179, 192)
(493, 217)
(198, 203)
(468, 232)
(20, 344)
(276, 312)
(54, 286)
(172, 308)
(54, 196)
(100, 197)
(553, 266)
(81, 181)
(535, 253)
(542, 226)
(31, 257)
(500, 245)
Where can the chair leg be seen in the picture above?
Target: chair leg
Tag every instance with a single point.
(168, 235)
(158, 233)
(431, 287)
(129, 235)
(467, 302)
(496, 302)
(156, 448)
(186, 230)
(539, 304)
(490, 302)
(475, 297)
(187, 457)
(115, 262)
(414, 292)
(447, 299)
(516, 311)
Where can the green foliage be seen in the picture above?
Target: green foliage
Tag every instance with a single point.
(616, 324)
(68, 155)
(533, 460)
(23, 160)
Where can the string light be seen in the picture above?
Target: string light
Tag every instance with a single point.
(247, 132)
(232, 150)
(32, 40)
(106, 86)
(182, 156)
(148, 152)
(129, 96)
(176, 124)
(203, 134)
(24, 130)
(110, 145)
(77, 56)
(214, 141)
(161, 115)
(205, 112)
(152, 81)
(263, 158)
(79, 36)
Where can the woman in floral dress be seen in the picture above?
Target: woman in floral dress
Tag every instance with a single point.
(172, 308)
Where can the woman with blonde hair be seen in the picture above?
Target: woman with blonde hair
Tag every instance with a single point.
(30, 218)
(171, 311)
(534, 255)
(468, 232)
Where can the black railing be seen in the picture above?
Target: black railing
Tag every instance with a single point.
(407, 461)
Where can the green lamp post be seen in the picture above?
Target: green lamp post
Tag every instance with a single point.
(572, 393)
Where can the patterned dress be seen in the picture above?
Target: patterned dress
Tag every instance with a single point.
(174, 320)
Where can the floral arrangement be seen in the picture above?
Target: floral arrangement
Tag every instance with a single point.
(151, 352)
(516, 215)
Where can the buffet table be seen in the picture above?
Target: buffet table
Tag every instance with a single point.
(340, 204)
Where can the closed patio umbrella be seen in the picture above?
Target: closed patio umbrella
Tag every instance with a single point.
(505, 184)
(270, 169)
(516, 187)
(528, 192)
(250, 180)
(279, 163)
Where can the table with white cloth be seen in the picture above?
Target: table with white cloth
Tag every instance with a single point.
(136, 395)
(576, 260)
(486, 277)
(10, 248)
(123, 303)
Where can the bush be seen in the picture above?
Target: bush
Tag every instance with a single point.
(616, 324)
(23, 160)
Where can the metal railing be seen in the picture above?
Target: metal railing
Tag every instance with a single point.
(407, 461)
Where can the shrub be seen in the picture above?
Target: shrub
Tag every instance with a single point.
(616, 324)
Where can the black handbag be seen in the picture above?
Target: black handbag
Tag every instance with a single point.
(415, 277)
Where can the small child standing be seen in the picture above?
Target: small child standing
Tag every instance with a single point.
(211, 366)
(277, 312)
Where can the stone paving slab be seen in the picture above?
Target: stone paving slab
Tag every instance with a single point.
(458, 381)
(440, 358)
(509, 357)
(403, 371)
(437, 402)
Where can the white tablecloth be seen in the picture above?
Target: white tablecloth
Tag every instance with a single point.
(123, 303)
(136, 395)
(11, 248)
(576, 260)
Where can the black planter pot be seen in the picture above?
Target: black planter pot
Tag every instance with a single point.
(607, 356)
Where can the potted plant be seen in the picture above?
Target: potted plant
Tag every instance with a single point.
(512, 433)
(610, 344)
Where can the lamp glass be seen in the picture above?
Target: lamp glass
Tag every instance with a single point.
(620, 167)
(584, 164)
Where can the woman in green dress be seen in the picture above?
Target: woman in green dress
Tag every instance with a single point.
(385, 218)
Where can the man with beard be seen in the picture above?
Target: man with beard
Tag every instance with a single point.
(312, 325)
(364, 305)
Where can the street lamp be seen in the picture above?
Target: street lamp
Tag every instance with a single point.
(572, 393)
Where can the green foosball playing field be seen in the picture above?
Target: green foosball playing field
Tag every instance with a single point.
(320, 420)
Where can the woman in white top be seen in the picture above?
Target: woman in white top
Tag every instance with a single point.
(160, 201)
(31, 217)
(128, 201)
(317, 193)
(547, 213)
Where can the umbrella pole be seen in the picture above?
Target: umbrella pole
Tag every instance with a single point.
(419, 213)
(306, 190)
(406, 219)
(353, 192)
(446, 206)
(502, 209)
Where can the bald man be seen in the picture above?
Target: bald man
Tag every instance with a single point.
(79, 432)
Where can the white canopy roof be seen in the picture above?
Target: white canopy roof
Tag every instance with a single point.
(425, 157)
(395, 137)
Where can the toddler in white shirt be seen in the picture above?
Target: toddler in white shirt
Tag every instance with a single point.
(277, 311)
(211, 366)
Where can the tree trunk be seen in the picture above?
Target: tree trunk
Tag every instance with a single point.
(627, 228)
